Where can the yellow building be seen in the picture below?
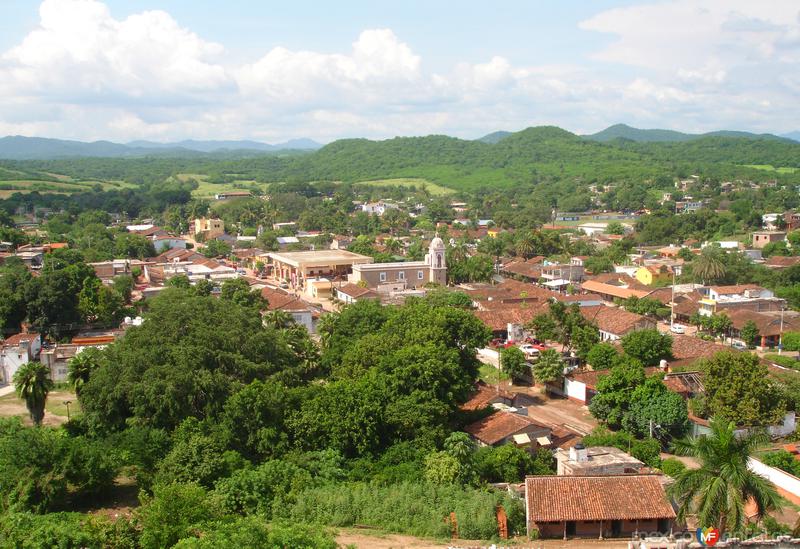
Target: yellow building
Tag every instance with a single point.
(653, 274)
(209, 227)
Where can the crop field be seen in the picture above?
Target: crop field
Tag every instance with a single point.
(770, 168)
(433, 188)
(62, 186)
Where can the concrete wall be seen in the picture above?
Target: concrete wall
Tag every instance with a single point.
(788, 485)
(591, 529)
(575, 390)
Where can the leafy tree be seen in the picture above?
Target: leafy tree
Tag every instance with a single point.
(720, 324)
(602, 356)
(549, 367)
(614, 390)
(672, 467)
(216, 248)
(266, 490)
(718, 491)
(190, 354)
(508, 463)
(738, 389)
(599, 264)
(238, 291)
(655, 409)
(584, 338)
(749, 334)
(32, 383)
(647, 346)
(14, 277)
(791, 341)
(513, 362)
(648, 450)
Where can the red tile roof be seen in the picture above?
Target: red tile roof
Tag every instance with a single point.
(16, 339)
(355, 291)
(604, 288)
(586, 498)
(498, 319)
(494, 428)
(614, 320)
(484, 396)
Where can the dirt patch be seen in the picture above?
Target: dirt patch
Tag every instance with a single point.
(364, 539)
(55, 409)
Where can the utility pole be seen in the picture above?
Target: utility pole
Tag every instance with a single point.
(780, 333)
(672, 303)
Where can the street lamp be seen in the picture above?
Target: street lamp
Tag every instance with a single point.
(67, 403)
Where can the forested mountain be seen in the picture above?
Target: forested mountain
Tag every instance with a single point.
(494, 137)
(37, 148)
(623, 131)
(524, 159)
(794, 136)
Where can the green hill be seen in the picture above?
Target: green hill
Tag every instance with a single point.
(494, 137)
(623, 131)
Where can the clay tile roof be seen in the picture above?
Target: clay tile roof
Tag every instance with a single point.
(735, 289)
(16, 339)
(494, 428)
(687, 349)
(499, 319)
(768, 325)
(615, 320)
(355, 291)
(279, 300)
(605, 288)
(484, 396)
(777, 261)
(586, 498)
(523, 269)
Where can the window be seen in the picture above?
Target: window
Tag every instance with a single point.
(401, 275)
(383, 277)
(420, 275)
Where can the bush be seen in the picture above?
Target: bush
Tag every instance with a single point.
(672, 467)
(266, 489)
(417, 509)
(30, 531)
(783, 460)
(254, 532)
(791, 341)
(171, 512)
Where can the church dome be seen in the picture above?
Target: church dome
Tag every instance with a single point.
(437, 242)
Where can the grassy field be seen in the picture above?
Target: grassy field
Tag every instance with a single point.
(207, 189)
(769, 168)
(55, 409)
(62, 186)
(433, 188)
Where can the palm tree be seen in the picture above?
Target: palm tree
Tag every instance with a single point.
(708, 265)
(525, 245)
(81, 367)
(32, 382)
(717, 492)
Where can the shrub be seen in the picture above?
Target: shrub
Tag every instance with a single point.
(672, 467)
(417, 509)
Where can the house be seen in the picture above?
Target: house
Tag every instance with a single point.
(739, 296)
(568, 272)
(770, 325)
(762, 238)
(792, 220)
(148, 230)
(350, 293)
(650, 275)
(486, 395)
(166, 242)
(781, 262)
(233, 194)
(509, 427)
(378, 208)
(301, 312)
(405, 274)
(56, 357)
(530, 270)
(614, 323)
(106, 271)
(611, 286)
(597, 460)
(209, 228)
(17, 350)
(597, 506)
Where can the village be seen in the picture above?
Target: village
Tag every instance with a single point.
(599, 490)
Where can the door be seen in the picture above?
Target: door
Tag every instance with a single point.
(571, 528)
(616, 528)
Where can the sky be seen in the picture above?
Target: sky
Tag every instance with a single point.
(271, 71)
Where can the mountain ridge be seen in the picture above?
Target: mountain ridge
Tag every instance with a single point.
(17, 147)
(655, 135)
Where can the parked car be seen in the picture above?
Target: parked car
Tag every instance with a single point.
(501, 343)
(739, 345)
(678, 329)
(530, 350)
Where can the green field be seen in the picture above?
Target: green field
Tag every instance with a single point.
(63, 186)
(770, 168)
(433, 188)
(207, 189)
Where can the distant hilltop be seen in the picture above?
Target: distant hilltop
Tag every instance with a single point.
(39, 148)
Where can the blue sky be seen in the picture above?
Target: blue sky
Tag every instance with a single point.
(174, 69)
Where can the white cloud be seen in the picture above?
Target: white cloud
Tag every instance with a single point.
(686, 64)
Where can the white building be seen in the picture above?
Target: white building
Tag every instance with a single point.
(16, 351)
(378, 208)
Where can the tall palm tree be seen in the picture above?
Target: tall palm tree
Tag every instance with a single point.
(32, 382)
(81, 367)
(717, 492)
(708, 265)
(525, 245)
